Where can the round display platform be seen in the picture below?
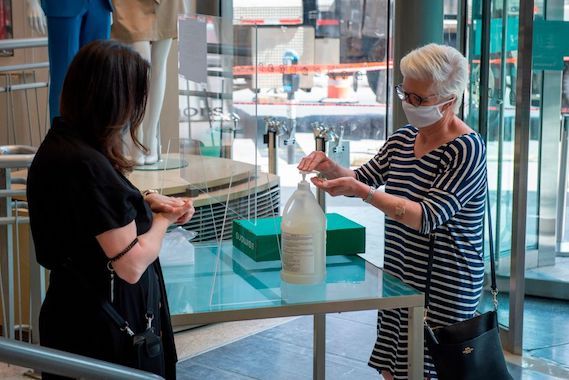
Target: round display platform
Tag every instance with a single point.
(220, 188)
(164, 164)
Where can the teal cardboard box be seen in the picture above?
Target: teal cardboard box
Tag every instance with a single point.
(260, 241)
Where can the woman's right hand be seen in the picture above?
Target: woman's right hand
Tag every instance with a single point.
(317, 161)
(180, 214)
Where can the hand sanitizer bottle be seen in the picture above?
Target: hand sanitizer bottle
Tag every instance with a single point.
(303, 238)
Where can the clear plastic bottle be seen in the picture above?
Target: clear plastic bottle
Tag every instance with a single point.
(303, 238)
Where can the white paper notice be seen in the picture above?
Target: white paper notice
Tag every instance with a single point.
(193, 50)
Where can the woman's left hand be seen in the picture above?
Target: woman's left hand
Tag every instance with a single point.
(161, 203)
(348, 186)
(189, 211)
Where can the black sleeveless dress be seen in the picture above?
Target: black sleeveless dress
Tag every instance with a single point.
(74, 194)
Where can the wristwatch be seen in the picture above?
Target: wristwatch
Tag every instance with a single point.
(149, 191)
(370, 194)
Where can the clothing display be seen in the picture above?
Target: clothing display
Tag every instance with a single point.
(458, 267)
(75, 194)
(145, 20)
(71, 24)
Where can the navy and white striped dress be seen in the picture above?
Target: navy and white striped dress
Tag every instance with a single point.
(450, 185)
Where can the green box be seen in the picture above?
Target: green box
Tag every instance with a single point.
(260, 241)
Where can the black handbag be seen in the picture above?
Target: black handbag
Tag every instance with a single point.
(147, 349)
(470, 349)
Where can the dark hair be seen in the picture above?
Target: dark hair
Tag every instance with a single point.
(105, 89)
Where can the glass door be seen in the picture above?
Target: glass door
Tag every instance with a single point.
(539, 265)
(490, 108)
(547, 265)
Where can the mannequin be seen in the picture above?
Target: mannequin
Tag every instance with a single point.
(149, 27)
(156, 53)
(36, 17)
(70, 25)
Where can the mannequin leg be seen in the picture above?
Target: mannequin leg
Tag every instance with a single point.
(159, 51)
(143, 48)
(96, 22)
(66, 35)
(63, 44)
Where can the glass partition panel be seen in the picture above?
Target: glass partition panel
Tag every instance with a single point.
(547, 265)
(269, 88)
(500, 116)
(317, 75)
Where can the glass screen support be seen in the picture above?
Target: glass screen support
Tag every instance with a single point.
(513, 342)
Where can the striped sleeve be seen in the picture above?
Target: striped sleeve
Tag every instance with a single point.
(463, 178)
(374, 172)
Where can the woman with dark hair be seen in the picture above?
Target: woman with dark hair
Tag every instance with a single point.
(93, 229)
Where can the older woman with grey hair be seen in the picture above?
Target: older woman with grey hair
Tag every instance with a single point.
(434, 173)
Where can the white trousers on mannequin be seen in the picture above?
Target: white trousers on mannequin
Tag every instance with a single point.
(157, 54)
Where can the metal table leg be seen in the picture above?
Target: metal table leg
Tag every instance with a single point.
(415, 343)
(319, 347)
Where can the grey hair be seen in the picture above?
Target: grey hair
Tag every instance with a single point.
(442, 65)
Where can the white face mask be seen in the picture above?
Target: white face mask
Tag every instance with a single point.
(423, 116)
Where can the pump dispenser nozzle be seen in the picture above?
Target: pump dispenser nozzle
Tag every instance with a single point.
(305, 172)
(304, 184)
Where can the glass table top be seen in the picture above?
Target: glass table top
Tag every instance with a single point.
(223, 278)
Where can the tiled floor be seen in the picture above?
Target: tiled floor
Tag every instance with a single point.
(282, 349)
(285, 352)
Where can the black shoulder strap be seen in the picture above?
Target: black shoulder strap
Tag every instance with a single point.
(493, 286)
(117, 319)
(151, 293)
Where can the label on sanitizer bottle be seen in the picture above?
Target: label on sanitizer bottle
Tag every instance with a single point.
(298, 253)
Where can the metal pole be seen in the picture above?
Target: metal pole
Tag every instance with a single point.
(520, 183)
(290, 141)
(462, 22)
(321, 194)
(271, 138)
(66, 364)
(20, 43)
(417, 23)
(415, 342)
(273, 142)
(549, 146)
(6, 258)
(500, 137)
(562, 184)
(11, 156)
(25, 66)
(319, 347)
(484, 69)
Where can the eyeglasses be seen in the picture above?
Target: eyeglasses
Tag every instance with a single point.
(410, 97)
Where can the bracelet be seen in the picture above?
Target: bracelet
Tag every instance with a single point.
(370, 194)
(124, 251)
(149, 191)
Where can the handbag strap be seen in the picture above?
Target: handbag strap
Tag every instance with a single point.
(150, 301)
(493, 285)
(118, 320)
(107, 307)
